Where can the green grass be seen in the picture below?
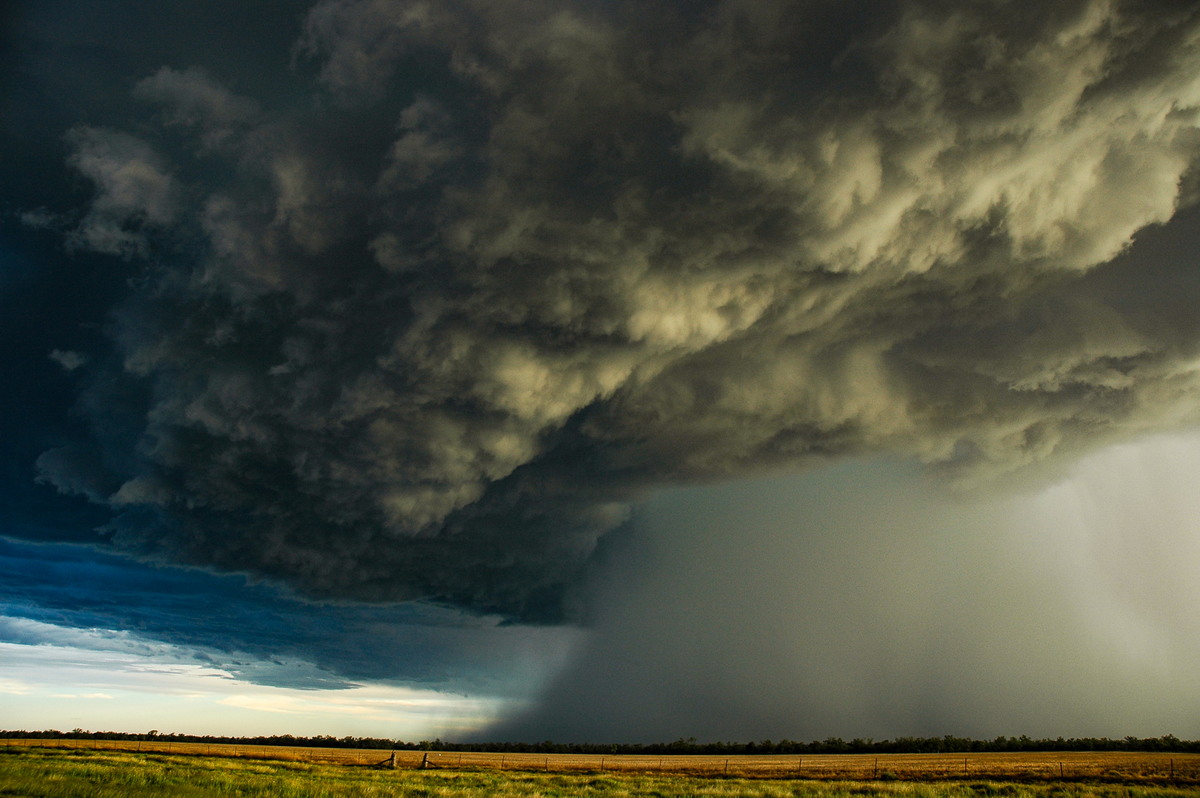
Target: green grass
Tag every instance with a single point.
(51, 773)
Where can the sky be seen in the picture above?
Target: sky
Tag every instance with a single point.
(599, 370)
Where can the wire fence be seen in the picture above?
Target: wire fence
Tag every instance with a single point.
(1122, 766)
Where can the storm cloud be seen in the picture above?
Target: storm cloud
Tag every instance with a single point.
(425, 332)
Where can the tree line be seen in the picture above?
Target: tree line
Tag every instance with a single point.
(946, 744)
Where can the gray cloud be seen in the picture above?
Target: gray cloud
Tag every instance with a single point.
(68, 359)
(134, 191)
(193, 99)
(517, 263)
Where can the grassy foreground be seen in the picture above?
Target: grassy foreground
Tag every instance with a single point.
(98, 774)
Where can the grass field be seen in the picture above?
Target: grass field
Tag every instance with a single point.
(1124, 766)
(62, 772)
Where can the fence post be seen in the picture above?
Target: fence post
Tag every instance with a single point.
(425, 761)
(601, 764)
(392, 761)
(726, 767)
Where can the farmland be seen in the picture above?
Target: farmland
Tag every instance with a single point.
(60, 772)
(64, 768)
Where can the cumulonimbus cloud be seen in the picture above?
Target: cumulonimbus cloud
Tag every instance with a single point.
(519, 261)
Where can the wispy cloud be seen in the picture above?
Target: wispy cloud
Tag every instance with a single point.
(148, 683)
(68, 359)
(14, 687)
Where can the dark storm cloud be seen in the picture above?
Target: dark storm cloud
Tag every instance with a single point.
(515, 263)
(72, 595)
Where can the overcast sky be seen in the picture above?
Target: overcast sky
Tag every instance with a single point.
(601, 370)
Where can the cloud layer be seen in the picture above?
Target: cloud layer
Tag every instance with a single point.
(71, 596)
(424, 334)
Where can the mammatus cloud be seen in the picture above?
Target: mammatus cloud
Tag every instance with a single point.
(517, 262)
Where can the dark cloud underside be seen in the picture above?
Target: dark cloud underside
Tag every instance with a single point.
(50, 594)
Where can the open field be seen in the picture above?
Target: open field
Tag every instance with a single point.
(75, 773)
(1109, 767)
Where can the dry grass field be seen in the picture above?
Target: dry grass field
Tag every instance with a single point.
(58, 772)
(1126, 767)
